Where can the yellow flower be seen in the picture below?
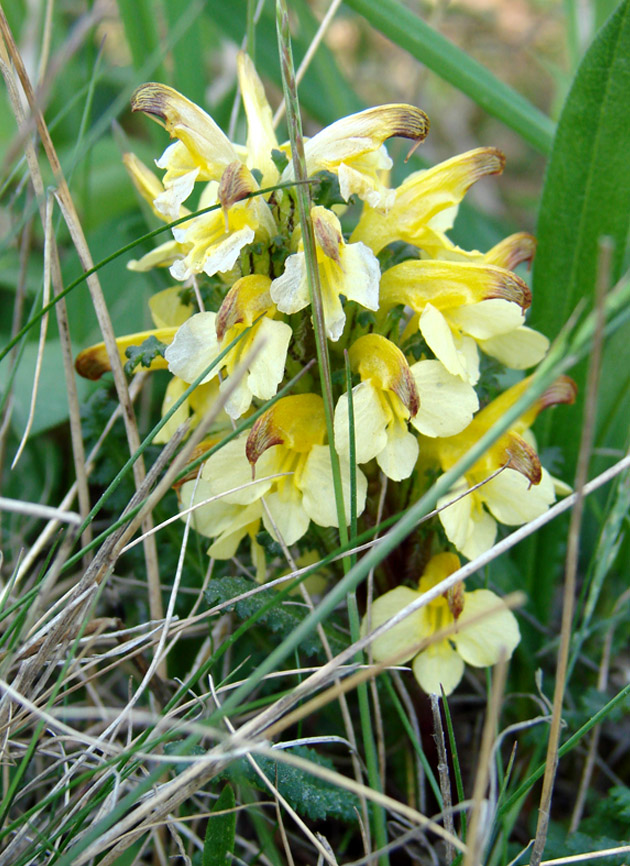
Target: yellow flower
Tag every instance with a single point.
(353, 149)
(391, 395)
(458, 306)
(351, 270)
(202, 337)
(516, 495)
(427, 201)
(441, 664)
(288, 438)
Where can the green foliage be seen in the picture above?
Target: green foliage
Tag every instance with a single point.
(280, 159)
(327, 192)
(281, 619)
(586, 197)
(144, 354)
(309, 795)
(218, 844)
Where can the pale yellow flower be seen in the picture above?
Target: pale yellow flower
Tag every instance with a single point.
(352, 148)
(516, 495)
(351, 270)
(427, 201)
(459, 306)
(440, 666)
(202, 337)
(393, 394)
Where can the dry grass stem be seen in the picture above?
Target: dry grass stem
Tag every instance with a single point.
(568, 600)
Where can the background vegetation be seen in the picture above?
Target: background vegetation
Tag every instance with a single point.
(113, 749)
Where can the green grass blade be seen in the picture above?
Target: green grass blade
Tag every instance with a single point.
(452, 64)
(138, 17)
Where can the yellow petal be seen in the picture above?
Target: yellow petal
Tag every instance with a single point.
(261, 138)
(402, 639)
(297, 421)
(381, 361)
(145, 181)
(519, 349)
(318, 493)
(370, 422)
(424, 196)
(483, 642)
(447, 403)
(168, 310)
(184, 120)
(438, 668)
(362, 133)
(448, 285)
(248, 298)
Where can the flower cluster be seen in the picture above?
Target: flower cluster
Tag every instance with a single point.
(423, 325)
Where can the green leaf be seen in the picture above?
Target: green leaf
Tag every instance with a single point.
(586, 195)
(452, 64)
(308, 795)
(282, 619)
(218, 845)
(587, 189)
(148, 351)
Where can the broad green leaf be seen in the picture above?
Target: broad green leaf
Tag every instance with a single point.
(587, 188)
(452, 64)
(221, 831)
(586, 195)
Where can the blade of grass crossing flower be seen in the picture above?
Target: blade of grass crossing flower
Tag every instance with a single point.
(352, 455)
(557, 362)
(244, 425)
(410, 32)
(302, 191)
(586, 195)
(35, 317)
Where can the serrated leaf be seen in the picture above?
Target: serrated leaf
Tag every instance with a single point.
(144, 354)
(221, 831)
(282, 618)
(309, 795)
